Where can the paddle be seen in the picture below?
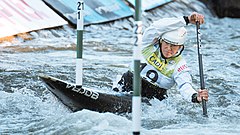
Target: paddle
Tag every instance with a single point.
(204, 106)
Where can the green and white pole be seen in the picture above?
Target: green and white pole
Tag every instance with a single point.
(136, 99)
(79, 61)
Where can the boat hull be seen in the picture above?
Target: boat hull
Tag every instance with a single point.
(78, 98)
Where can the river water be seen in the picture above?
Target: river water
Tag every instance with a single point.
(27, 107)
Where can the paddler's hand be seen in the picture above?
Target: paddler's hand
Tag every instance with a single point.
(194, 17)
(202, 94)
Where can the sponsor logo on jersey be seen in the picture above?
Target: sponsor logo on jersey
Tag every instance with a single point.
(156, 62)
(182, 68)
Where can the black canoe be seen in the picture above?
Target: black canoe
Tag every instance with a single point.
(76, 98)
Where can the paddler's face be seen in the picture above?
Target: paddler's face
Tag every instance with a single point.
(169, 50)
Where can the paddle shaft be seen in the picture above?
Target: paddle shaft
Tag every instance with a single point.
(204, 106)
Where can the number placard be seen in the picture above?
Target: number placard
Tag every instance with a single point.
(80, 9)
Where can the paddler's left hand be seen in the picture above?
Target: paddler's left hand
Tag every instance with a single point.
(202, 94)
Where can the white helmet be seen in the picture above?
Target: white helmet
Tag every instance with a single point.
(175, 37)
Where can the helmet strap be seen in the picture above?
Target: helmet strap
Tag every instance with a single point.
(180, 52)
(160, 45)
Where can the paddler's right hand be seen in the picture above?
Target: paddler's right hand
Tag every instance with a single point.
(194, 17)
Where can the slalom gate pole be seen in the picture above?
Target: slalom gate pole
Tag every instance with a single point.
(204, 106)
(79, 61)
(136, 99)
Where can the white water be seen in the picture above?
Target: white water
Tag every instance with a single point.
(27, 107)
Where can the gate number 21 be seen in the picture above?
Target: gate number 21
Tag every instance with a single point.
(80, 7)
